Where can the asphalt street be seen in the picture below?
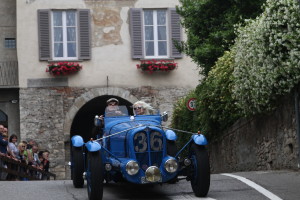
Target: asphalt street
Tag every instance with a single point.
(282, 184)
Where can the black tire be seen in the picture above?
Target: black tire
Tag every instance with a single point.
(200, 170)
(78, 167)
(171, 148)
(95, 177)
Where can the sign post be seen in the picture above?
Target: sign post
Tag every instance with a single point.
(191, 104)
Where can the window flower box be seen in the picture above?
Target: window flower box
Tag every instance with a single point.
(151, 66)
(63, 68)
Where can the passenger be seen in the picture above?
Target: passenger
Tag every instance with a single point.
(142, 108)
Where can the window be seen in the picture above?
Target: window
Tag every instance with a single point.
(153, 32)
(10, 43)
(64, 34)
(64, 29)
(155, 37)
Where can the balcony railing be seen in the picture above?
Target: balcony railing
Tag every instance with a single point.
(9, 74)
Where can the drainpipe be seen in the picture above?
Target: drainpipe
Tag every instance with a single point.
(297, 122)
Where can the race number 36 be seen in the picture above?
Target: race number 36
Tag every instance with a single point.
(141, 144)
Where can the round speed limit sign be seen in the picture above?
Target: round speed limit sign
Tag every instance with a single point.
(191, 104)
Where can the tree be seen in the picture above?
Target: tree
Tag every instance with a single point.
(209, 26)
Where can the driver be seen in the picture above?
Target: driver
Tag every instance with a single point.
(113, 107)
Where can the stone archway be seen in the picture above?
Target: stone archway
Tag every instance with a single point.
(86, 97)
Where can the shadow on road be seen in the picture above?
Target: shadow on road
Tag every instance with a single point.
(135, 192)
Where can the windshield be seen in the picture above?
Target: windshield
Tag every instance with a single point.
(115, 110)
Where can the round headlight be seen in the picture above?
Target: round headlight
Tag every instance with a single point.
(171, 165)
(132, 167)
(153, 174)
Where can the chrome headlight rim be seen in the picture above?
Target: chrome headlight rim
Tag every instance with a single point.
(153, 174)
(171, 165)
(132, 167)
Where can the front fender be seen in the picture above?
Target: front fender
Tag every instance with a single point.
(77, 141)
(171, 135)
(93, 146)
(200, 139)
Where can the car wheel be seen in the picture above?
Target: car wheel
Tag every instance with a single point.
(200, 170)
(95, 176)
(78, 167)
(171, 148)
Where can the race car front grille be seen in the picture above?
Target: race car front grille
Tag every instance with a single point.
(148, 147)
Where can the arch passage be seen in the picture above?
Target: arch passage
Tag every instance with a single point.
(84, 119)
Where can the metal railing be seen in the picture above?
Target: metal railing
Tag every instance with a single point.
(9, 73)
(22, 170)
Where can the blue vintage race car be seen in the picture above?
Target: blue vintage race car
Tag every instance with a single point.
(137, 149)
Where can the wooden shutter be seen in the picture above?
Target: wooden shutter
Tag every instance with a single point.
(175, 32)
(44, 34)
(136, 31)
(84, 34)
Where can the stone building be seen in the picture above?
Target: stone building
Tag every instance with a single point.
(108, 38)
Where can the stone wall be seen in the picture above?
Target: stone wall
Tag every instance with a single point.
(262, 143)
(46, 114)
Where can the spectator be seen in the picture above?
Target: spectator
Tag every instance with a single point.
(3, 151)
(46, 162)
(12, 146)
(30, 143)
(22, 155)
(1, 129)
(13, 151)
(33, 158)
(142, 108)
(3, 141)
(29, 153)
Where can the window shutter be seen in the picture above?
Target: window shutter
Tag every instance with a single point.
(175, 32)
(136, 31)
(44, 34)
(84, 34)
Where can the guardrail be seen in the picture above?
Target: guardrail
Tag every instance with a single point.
(23, 170)
(9, 73)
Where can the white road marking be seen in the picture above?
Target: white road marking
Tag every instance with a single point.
(260, 189)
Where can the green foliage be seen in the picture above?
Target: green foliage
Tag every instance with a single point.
(184, 119)
(268, 56)
(262, 65)
(210, 27)
(216, 109)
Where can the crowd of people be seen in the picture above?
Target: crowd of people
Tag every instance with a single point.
(23, 152)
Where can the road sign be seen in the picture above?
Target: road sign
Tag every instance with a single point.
(191, 104)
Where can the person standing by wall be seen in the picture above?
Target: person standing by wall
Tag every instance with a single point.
(3, 150)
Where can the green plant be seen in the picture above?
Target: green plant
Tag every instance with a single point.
(268, 57)
(209, 25)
